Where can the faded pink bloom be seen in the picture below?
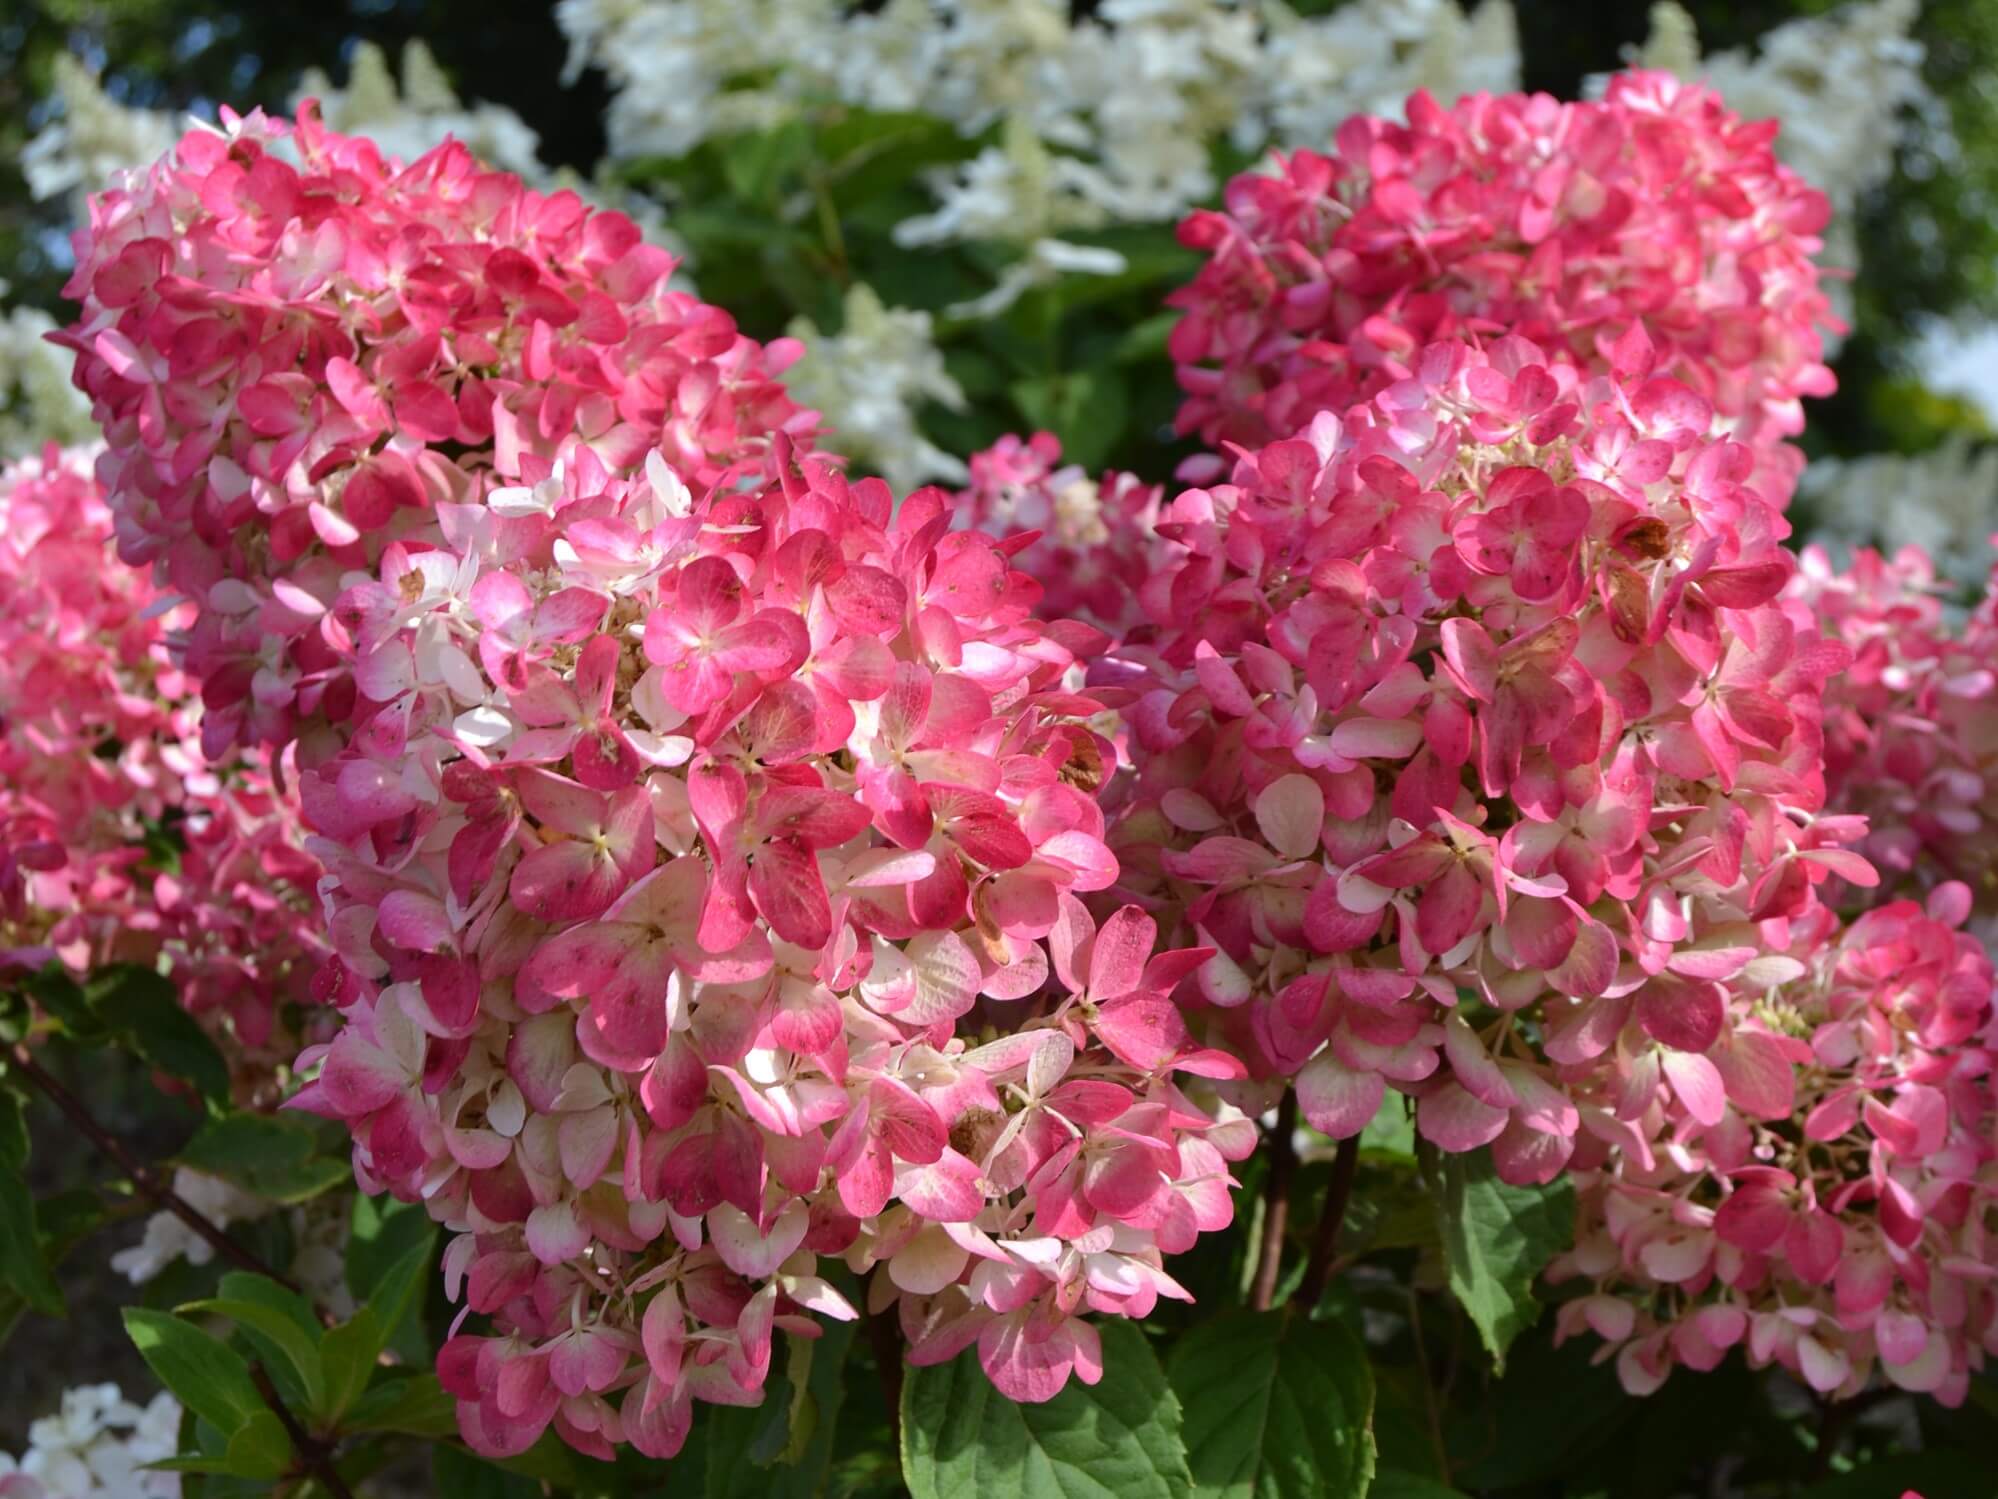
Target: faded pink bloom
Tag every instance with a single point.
(119, 842)
(1834, 1227)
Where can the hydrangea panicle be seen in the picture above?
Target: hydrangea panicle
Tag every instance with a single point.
(1652, 217)
(704, 883)
(1842, 1229)
(1911, 727)
(304, 354)
(119, 842)
(1469, 731)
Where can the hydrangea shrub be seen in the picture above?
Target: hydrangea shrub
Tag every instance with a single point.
(719, 903)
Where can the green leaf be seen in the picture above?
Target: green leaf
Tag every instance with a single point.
(415, 1405)
(13, 1132)
(1119, 1439)
(384, 1231)
(1540, 1424)
(782, 1449)
(1146, 340)
(348, 1353)
(1277, 1407)
(350, 1350)
(205, 1375)
(870, 155)
(553, 1461)
(139, 1008)
(23, 1267)
(61, 997)
(1393, 1483)
(1496, 1241)
(463, 1476)
(274, 1156)
(269, 1326)
(1390, 1135)
(400, 1287)
(1084, 409)
(190, 1465)
(260, 1448)
(756, 163)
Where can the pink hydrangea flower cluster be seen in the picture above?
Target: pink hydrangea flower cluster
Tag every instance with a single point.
(1103, 533)
(1911, 727)
(1845, 1232)
(1471, 734)
(729, 870)
(704, 882)
(1565, 223)
(99, 736)
(302, 354)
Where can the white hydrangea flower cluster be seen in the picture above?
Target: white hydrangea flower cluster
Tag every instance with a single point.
(408, 122)
(1109, 119)
(867, 381)
(1367, 58)
(96, 1446)
(319, 1234)
(1944, 501)
(92, 138)
(168, 1239)
(38, 404)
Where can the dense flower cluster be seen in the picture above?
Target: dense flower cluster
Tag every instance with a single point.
(298, 367)
(704, 887)
(1126, 99)
(1911, 726)
(99, 1445)
(1945, 501)
(1572, 225)
(1838, 80)
(869, 380)
(726, 868)
(118, 842)
(1469, 731)
(1846, 1230)
(1102, 533)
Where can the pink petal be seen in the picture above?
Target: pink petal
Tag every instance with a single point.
(557, 1233)
(1453, 1120)
(790, 893)
(1028, 1357)
(947, 978)
(565, 881)
(1117, 960)
(1681, 1013)
(1698, 1084)
(1290, 811)
(1335, 1100)
(946, 1190)
(752, 1251)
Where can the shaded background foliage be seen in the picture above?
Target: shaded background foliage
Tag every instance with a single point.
(1552, 1424)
